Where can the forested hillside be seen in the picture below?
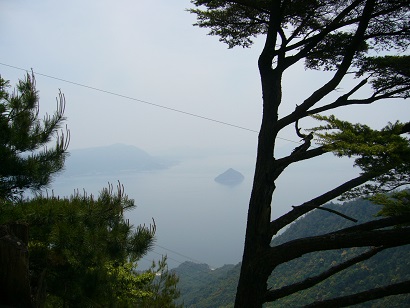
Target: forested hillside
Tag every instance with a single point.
(202, 287)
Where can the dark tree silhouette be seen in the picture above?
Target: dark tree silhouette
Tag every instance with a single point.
(365, 39)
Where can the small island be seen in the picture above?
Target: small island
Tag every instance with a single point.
(230, 177)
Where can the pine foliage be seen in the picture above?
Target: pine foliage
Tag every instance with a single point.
(384, 153)
(26, 159)
(83, 252)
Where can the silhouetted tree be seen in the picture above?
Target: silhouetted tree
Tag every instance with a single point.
(361, 38)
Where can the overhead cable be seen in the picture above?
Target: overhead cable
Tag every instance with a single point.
(143, 101)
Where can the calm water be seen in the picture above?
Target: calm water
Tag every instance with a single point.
(195, 216)
(198, 218)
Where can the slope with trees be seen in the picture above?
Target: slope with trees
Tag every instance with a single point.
(202, 286)
(391, 265)
(365, 39)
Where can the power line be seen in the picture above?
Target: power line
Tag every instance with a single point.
(179, 254)
(143, 101)
(190, 265)
(134, 99)
(155, 105)
(195, 261)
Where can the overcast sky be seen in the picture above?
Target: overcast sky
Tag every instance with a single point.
(149, 51)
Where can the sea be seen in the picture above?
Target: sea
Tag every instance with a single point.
(196, 218)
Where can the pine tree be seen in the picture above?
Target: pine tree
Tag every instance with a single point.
(366, 39)
(84, 252)
(26, 159)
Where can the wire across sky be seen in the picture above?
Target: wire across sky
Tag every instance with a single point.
(142, 101)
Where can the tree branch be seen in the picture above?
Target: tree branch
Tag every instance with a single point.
(353, 299)
(294, 249)
(339, 23)
(268, 53)
(280, 164)
(341, 71)
(272, 295)
(311, 42)
(306, 207)
(343, 101)
(332, 211)
(296, 157)
(252, 5)
(377, 224)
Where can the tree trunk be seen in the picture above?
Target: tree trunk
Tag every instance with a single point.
(252, 284)
(254, 274)
(14, 272)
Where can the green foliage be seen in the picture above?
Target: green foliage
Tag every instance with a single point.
(388, 266)
(395, 204)
(384, 153)
(238, 22)
(388, 73)
(329, 52)
(85, 252)
(328, 35)
(385, 268)
(323, 33)
(392, 265)
(205, 288)
(126, 285)
(163, 287)
(26, 159)
(235, 24)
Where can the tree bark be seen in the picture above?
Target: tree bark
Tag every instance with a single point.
(14, 272)
(259, 259)
(253, 278)
(337, 240)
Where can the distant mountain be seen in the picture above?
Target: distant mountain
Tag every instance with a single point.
(201, 287)
(113, 159)
(230, 177)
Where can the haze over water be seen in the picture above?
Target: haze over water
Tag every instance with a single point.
(195, 216)
(197, 219)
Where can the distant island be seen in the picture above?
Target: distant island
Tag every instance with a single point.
(112, 159)
(230, 177)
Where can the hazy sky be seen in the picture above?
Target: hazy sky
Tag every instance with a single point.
(148, 50)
